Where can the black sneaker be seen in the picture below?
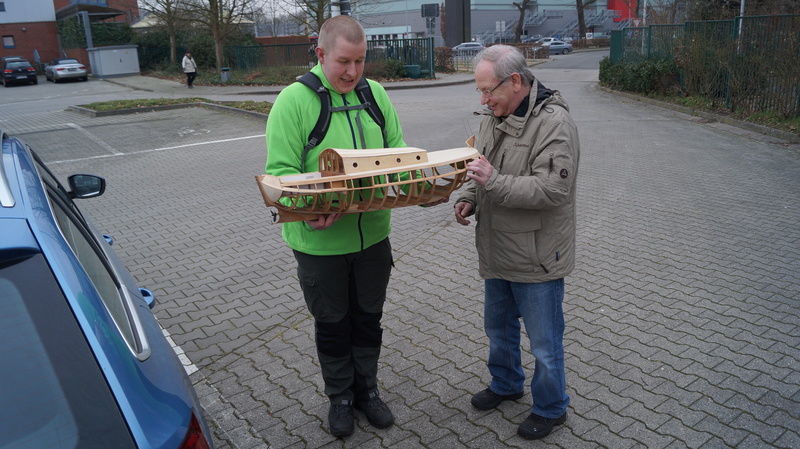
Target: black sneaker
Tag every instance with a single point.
(378, 413)
(488, 399)
(340, 418)
(535, 426)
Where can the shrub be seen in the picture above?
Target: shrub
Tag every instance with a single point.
(388, 69)
(655, 75)
(443, 59)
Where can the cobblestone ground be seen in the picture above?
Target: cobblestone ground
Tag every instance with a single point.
(681, 314)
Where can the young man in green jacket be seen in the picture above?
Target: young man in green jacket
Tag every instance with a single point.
(343, 261)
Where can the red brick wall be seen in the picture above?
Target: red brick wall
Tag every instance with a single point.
(129, 7)
(41, 36)
(58, 4)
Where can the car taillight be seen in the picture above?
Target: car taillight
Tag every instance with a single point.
(7, 71)
(59, 69)
(194, 436)
(31, 69)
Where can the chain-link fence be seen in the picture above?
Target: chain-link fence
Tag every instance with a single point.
(751, 63)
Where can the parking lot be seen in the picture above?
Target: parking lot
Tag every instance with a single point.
(681, 314)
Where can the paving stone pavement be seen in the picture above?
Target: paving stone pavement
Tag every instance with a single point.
(682, 313)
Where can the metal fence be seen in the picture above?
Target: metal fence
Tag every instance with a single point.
(416, 54)
(750, 63)
(411, 52)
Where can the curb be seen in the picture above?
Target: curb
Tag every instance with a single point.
(130, 111)
(760, 129)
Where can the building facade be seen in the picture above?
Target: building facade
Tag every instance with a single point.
(29, 28)
(491, 21)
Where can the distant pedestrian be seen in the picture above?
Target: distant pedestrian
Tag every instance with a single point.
(190, 68)
(522, 192)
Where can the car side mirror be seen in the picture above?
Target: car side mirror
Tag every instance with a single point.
(86, 186)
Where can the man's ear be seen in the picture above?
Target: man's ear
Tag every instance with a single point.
(320, 52)
(516, 81)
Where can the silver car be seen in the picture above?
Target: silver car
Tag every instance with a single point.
(468, 48)
(558, 47)
(65, 68)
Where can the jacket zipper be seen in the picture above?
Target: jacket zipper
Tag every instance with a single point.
(355, 145)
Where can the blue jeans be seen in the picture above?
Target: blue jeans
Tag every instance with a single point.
(540, 306)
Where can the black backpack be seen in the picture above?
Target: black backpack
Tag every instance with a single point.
(364, 93)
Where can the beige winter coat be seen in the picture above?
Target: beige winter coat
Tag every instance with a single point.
(526, 213)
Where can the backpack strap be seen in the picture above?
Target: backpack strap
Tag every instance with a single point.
(313, 82)
(364, 93)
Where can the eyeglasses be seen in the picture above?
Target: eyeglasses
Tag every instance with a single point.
(489, 93)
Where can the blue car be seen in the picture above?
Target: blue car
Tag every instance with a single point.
(84, 363)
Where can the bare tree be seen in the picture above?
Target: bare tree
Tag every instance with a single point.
(222, 18)
(522, 7)
(581, 5)
(169, 14)
(443, 16)
(313, 13)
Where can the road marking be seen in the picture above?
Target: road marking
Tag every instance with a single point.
(96, 139)
(187, 364)
(259, 136)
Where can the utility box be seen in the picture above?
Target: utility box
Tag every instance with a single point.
(115, 60)
(414, 71)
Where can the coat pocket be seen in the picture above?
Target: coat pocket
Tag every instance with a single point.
(513, 240)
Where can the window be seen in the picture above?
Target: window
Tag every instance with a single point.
(8, 42)
(48, 370)
(95, 267)
(2, 6)
(95, 263)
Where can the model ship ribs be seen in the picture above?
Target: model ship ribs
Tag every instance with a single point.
(356, 181)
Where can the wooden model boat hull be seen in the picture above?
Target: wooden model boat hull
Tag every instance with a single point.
(357, 181)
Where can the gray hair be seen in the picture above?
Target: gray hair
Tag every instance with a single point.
(507, 60)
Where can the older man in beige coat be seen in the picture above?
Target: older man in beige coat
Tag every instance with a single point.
(522, 192)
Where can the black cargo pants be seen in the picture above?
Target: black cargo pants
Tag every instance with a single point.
(345, 294)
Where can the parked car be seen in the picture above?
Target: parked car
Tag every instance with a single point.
(558, 47)
(531, 38)
(546, 40)
(85, 363)
(65, 68)
(468, 48)
(18, 71)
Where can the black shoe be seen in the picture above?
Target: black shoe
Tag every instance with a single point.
(378, 413)
(488, 399)
(340, 419)
(535, 426)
